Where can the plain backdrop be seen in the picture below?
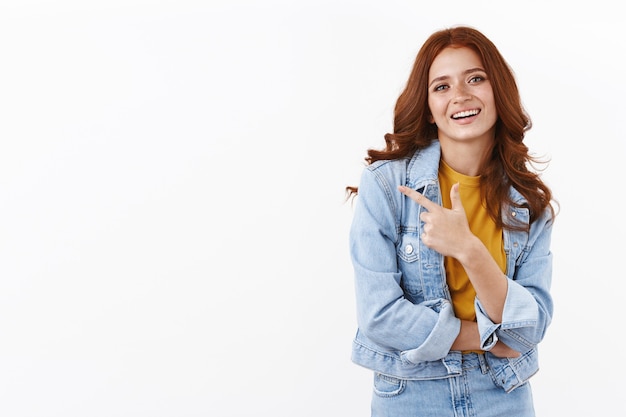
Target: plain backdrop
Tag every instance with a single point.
(173, 229)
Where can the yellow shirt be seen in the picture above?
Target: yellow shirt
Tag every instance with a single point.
(461, 289)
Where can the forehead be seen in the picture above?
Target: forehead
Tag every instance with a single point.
(452, 61)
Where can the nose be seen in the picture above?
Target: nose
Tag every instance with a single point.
(462, 93)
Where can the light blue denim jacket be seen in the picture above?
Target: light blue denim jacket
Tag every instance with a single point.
(406, 323)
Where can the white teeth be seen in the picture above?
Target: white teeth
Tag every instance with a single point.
(466, 113)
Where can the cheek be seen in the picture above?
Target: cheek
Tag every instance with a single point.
(432, 109)
(435, 113)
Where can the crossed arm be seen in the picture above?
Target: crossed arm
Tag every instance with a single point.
(447, 231)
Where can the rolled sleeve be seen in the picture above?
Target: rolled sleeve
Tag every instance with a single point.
(519, 320)
(444, 332)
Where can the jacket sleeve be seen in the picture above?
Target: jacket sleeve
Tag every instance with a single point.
(419, 332)
(528, 307)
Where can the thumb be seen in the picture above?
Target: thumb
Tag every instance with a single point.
(455, 198)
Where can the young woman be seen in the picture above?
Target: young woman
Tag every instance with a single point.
(450, 242)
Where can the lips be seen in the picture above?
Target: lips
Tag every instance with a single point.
(465, 113)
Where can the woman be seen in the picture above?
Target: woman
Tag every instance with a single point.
(450, 242)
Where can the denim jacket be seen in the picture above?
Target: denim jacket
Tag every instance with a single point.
(406, 322)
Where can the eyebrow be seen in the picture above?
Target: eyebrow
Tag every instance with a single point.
(445, 77)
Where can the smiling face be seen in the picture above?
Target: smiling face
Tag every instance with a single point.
(461, 99)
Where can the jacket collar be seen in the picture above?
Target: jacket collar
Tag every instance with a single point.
(423, 168)
(424, 165)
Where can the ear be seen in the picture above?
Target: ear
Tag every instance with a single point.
(431, 119)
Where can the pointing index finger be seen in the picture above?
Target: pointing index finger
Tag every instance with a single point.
(417, 197)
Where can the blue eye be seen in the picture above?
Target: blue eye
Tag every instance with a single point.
(477, 79)
(441, 87)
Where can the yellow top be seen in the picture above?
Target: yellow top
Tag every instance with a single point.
(481, 225)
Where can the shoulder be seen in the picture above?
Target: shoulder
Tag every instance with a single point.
(384, 176)
(423, 159)
(422, 165)
(389, 165)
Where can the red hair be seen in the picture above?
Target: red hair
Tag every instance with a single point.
(510, 160)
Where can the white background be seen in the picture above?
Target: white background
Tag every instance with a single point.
(173, 231)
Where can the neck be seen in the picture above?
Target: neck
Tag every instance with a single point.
(465, 158)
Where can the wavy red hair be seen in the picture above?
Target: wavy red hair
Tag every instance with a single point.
(510, 159)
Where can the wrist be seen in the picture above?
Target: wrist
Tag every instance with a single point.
(472, 253)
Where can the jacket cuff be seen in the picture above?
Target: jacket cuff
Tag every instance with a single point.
(441, 338)
(520, 310)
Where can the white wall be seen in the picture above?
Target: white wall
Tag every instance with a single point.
(173, 234)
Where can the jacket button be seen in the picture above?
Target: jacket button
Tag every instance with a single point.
(408, 249)
(513, 214)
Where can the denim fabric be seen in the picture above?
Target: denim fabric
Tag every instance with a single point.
(406, 323)
(471, 393)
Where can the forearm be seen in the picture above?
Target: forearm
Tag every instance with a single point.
(487, 278)
(468, 338)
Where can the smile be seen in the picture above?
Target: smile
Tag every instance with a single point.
(465, 113)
